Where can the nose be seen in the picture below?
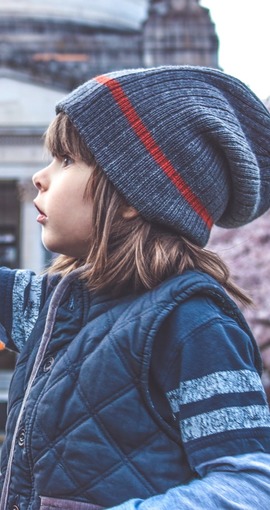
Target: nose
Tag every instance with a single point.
(39, 180)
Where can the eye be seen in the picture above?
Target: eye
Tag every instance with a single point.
(67, 160)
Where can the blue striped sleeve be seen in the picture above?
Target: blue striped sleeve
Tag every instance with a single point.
(22, 295)
(209, 371)
(220, 401)
(226, 418)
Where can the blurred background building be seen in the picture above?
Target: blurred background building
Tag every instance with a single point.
(48, 48)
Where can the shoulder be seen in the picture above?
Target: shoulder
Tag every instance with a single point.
(187, 303)
(206, 326)
(197, 299)
(199, 314)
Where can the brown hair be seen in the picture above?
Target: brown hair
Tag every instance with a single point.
(129, 255)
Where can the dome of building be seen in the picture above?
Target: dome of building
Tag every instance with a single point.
(126, 14)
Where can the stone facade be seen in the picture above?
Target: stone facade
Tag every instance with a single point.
(179, 32)
(63, 53)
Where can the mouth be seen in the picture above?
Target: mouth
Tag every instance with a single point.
(41, 218)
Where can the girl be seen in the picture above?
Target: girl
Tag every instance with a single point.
(138, 380)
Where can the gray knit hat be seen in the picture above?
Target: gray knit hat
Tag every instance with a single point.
(187, 146)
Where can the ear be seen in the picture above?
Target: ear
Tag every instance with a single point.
(129, 213)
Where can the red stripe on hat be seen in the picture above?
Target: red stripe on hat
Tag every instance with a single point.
(152, 147)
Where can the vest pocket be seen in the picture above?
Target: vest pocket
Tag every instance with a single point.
(65, 504)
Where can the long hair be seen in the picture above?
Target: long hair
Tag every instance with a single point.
(127, 255)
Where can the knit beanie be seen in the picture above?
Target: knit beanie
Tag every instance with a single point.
(188, 147)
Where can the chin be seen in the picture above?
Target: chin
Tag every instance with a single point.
(61, 249)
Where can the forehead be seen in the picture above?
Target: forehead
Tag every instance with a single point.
(61, 136)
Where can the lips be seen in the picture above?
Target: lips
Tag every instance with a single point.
(41, 218)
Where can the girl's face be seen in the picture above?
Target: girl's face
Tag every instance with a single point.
(64, 210)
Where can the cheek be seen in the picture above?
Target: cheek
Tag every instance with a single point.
(80, 219)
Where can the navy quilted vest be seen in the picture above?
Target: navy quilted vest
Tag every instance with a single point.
(89, 431)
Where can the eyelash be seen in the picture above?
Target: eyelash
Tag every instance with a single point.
(67, 160)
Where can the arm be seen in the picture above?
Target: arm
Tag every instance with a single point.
(228, 483)
(22, 295)
(219, 406)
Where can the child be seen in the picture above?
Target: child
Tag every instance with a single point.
(138, 380)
